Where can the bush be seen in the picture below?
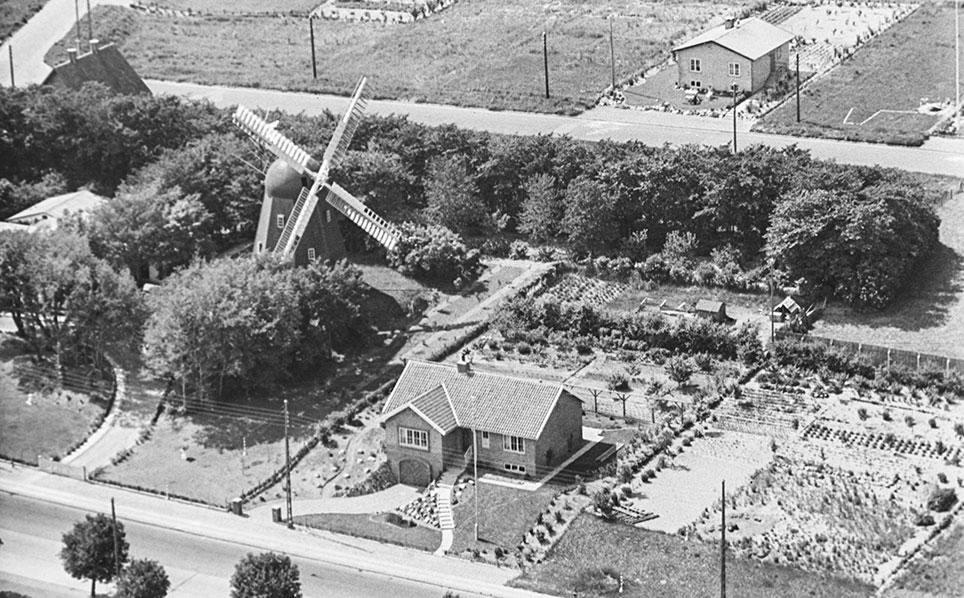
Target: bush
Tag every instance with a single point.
(519, 250)
(924, 519)
(862, 413)
(496, 247)
(435, 253)
(942, 499)
(618, 381)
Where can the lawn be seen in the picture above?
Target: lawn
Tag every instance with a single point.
(505, 515)
(938, 572)
(39, 416)
(593, 554)
(475, 53)
(913, 59)
(928, 316)
(383, 527)
(14, 13)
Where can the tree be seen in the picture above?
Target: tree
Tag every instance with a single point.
(590, 219)
(266, 575)
(143, 578)
(679, 369)
(542, 209)
(434, 253)
(452, 197)
(88, 551)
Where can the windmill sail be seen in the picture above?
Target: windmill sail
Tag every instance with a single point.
(380, 229)
(341, 139)
(278, 144)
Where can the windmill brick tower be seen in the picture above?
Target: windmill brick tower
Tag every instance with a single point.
(293, 223)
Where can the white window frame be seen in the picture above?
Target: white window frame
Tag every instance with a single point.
(514, 444)
(696, 65)
(485, 439)
(514, 467)
(311, 254)
(734, 69)
(413, 438)
(280, 220)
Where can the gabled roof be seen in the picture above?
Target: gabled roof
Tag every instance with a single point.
(750, 38)
(495, 403)
(788, 305)
(13, 226)
(104, 64)
(709, 305)
(55, 208)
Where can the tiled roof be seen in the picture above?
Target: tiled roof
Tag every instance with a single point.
(496, 403)
(105, 65)
(435, 406)
(57, 207)
(751, 38)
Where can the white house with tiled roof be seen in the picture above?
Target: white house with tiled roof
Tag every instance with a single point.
(524, 427)
(48, 213)
(744, 53)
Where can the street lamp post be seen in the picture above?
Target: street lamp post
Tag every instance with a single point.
(735, 87)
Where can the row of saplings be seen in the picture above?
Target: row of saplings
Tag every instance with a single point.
(93, 551)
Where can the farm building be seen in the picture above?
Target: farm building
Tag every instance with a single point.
(712, 310)
(524, 426)
(103, 64)
(49, 212)
(747, 53)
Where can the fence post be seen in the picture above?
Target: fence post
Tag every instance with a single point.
(860, 347)
(888, 359)
(947, 367)
(918, 362)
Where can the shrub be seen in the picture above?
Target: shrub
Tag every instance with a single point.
(496, 247)
(435, 253)
(524, 348)
(703, 361)
(519, 250)
(603, 501)
(924, 519)
(625, 473)
(909, 420)
(942, 499)
(959, 429)
(862, 413)
(942, 477)
(618, 381)
(886, 415)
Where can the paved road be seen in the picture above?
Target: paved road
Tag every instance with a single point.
(937, 156)
(31, 42)
(31, 533)
(190, 524)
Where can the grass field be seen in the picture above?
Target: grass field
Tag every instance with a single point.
(940, 573)
(381, 526)
(40, 419)
(593, 554)
(474, 53)
(929, 315)
(239, 6)
(15, 13)
(505, 515)
(914, 59)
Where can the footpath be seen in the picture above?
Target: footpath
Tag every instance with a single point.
(343, 551)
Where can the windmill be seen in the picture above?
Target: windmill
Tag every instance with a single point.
(291, 224)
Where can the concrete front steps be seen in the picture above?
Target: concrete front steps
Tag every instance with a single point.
(446, 521)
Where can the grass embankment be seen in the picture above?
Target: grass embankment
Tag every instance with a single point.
(42, 415)
(909, 61)
(15, 13)
(383, 527)
(486, 54)
(593, 555)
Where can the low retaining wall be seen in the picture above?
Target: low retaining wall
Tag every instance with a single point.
(48, 465)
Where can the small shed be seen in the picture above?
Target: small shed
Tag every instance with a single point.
(786, 309)
(714, 310)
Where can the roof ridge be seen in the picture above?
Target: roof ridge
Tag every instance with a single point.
(538, 381)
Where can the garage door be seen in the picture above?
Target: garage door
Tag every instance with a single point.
(414, 473)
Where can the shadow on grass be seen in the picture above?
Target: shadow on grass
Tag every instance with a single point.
(924, 302)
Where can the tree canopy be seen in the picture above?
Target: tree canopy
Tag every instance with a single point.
(88, 551)
(143, 578)
(266, 575)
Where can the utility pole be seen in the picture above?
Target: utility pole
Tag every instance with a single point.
(117, 563)
(734, 88)
(90, 23)
(288, 470)
(798, 87)
(723, 541)
(77, 20)
(772, 329)
(475, 468)
(10, 53)
(957, 60)
(612, 51)
(545, 61)
(314, 64)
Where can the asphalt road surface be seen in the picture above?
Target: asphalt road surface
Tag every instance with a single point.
(198, 567)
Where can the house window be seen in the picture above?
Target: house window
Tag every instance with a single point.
(327, 215)
(514, 444)
(413, 438)
(734, 68)
(485, 439)
(696, 84)
(696, 65)
(311, 253)
(514, 468)
(280, 219)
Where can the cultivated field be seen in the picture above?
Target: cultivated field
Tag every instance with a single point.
(41, 415)
(475, 53)
(874, 95)
(929, 315)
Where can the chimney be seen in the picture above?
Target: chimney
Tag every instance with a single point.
(728, 23)
(464, 365)
(72, 54)
(93, 44)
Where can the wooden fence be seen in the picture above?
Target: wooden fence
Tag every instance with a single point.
(885, 356)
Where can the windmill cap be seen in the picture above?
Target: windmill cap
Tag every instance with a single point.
(282, 181)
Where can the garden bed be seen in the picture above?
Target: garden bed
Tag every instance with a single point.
(593, 554)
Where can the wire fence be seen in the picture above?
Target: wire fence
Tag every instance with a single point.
(885, 356)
